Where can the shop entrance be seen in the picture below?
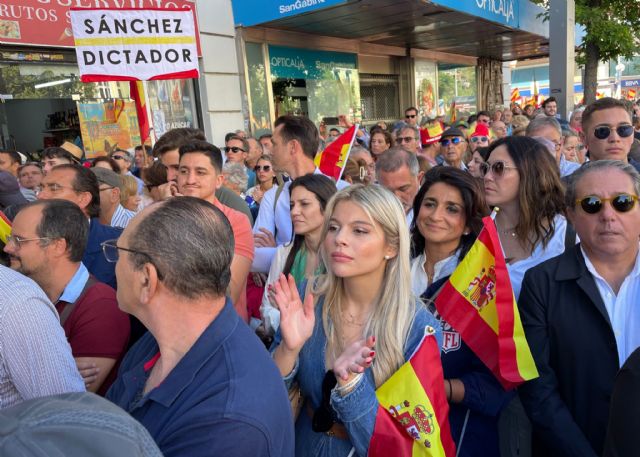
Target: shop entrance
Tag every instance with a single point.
(290, 96)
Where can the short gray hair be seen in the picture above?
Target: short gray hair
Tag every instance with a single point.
(191, 244)
(359, 150)
(416, 130)
(236, 174)
(395, 158)
(594, 166)
(541, 122)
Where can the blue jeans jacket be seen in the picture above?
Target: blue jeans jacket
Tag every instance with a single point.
(356, 410)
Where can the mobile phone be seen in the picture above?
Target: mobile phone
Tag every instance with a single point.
(331, 121)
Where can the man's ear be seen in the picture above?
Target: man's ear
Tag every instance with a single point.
(219, 180)
(148, 282)
(115, 195)
(85, 200)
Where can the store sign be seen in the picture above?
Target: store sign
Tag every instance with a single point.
(253, 12)
(48, 23)
(118, 45)
(631, 83)
(307, 64)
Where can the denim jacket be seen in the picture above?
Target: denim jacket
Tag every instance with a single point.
(357, 410)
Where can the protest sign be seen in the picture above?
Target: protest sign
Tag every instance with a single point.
(135, 44)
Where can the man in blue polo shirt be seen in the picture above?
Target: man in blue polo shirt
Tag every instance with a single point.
(200, 380)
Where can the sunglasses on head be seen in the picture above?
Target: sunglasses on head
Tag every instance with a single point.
(475, 139)
(454, 140)
(323, 418)
(622, 203)
(404, 139)
(603, 132)
(497, 168)
(262, 168)
(233, 149)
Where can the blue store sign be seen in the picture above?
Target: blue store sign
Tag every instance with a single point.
(631, 83)
(307, 64)
(253, 12)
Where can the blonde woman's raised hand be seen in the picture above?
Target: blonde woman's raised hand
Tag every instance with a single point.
(355, 359)
(296, 318)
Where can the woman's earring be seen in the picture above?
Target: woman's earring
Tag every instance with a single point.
(387, 257)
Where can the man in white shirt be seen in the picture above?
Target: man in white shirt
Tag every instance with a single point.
(580, 312)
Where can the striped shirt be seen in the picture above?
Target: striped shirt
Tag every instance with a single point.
(35, 358)
(121, 217)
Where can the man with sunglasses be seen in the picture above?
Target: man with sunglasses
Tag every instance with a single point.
(411, 116)
(408, 138)
(452, 147)
(607, 131)
(580, 312)
(47, 244)
(199, 380)
(236, 150)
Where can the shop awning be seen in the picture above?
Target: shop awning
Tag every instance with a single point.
(501, 29)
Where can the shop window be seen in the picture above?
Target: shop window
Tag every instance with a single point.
(260, 119)
(379, 95)
(172, 104)
(457, 84)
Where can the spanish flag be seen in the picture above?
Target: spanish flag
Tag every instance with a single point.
(631, 94)
(478, 302)
(332, 160)
(413, 416)
(515, 95)
(5, 227)
(136, 92)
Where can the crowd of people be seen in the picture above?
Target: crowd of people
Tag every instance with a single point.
(236, 301)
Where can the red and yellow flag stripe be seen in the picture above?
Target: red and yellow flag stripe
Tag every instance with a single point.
(478, 302)
(413, 417)
(5, 227)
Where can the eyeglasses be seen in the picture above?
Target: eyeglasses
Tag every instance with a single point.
(233, 149)
(55, 187)
(262, 168)
(475, 139)
(405, 139)
(603, 132)
(323, 418)
(410, 116)
(106, 188)
(110, 250)
(497, 168)
(454, 140)
(17, 240)
(622, 203)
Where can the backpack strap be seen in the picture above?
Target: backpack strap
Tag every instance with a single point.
(69, 307)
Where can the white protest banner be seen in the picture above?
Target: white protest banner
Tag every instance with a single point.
(135, 44)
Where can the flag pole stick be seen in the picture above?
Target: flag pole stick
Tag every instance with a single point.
(494, 213)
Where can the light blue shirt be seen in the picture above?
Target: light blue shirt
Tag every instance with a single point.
(121, 217)
(74, 287)
(623, 309)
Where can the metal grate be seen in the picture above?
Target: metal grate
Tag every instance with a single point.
(379, 97)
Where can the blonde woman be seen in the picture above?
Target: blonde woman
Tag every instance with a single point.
(129, 197)
(362, 326)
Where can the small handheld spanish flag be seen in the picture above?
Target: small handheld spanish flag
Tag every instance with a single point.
(333, 159)
(5, 227)
(515, 95)
(478, 302)
(413, 416)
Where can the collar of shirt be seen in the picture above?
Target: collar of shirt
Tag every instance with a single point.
(205, 347)
(74, 287)
(633, 274)
(420, 279)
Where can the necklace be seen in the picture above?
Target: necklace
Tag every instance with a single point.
(510, 231)
(351, 320)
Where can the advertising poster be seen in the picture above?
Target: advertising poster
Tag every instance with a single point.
(107, 126)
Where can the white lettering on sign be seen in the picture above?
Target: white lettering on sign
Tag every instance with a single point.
(299, 5)
(499, 7)
(135, 44)
(287, 62)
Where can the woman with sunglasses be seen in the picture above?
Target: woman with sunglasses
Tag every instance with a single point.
(265, 178)
(309, 197)
(364, 310)
(522, 179)
(449, 208)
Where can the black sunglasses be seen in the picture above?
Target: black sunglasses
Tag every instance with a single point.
(323, 417)
(233, 149)
(622, 203)
(262, 168)
(497, 168)
(409, 116)
(603, 132)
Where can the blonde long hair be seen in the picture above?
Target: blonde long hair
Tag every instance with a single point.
(394, 307)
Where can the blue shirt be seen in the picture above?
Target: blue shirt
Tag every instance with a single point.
(74, 288)
(224, 398)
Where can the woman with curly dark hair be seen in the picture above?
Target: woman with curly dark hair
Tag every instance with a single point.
(522, 179)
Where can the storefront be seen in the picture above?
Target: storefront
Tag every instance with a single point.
(43, 101)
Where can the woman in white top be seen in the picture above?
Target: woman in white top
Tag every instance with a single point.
(309, 197)
(522, 179)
